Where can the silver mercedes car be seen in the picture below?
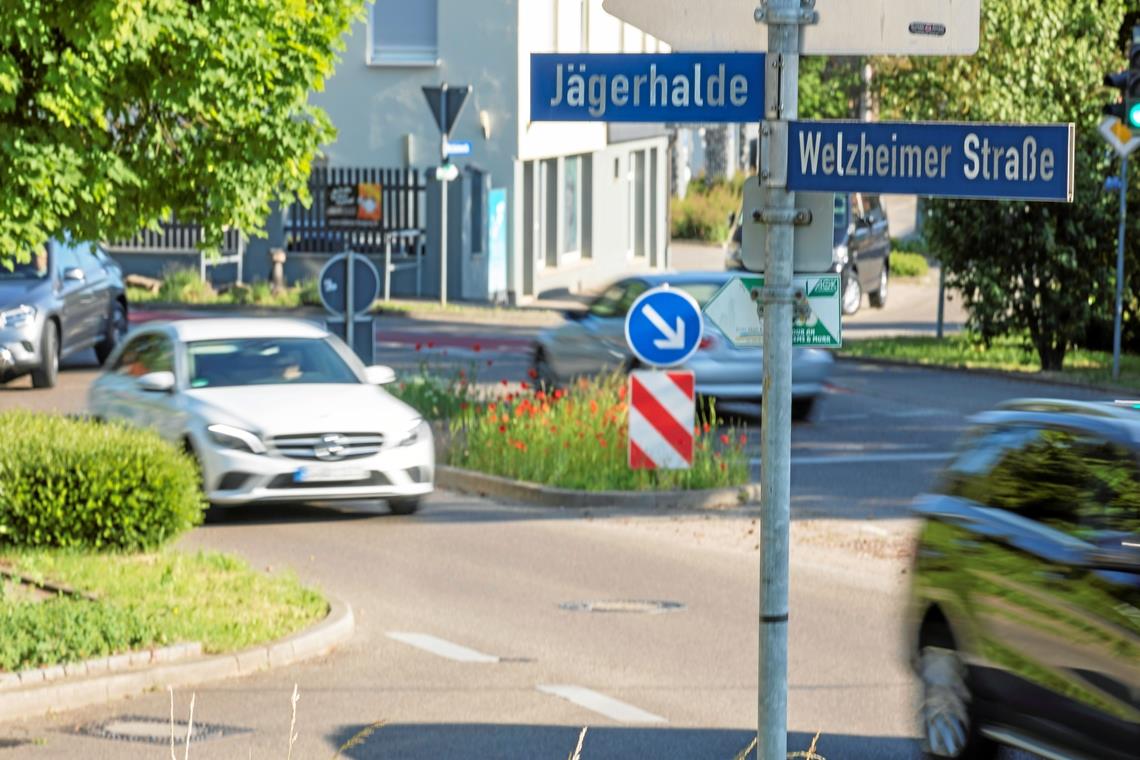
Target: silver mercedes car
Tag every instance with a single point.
(592, 341)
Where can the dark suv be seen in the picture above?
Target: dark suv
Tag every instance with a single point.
(1025, 617)
(861, 251)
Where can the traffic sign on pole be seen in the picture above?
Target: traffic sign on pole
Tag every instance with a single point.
(734, 309)
(1121, 138)
(838, 27)
(664, 327)
(662, 415)
(457, 148)
(647, 87)
(953, 160)
(814, 239)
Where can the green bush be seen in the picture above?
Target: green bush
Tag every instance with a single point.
(703, 213)
(913, 244)
(908, 264)
(78, 483)
(185, 286)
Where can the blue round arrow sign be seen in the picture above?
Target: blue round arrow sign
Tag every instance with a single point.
(664, 326)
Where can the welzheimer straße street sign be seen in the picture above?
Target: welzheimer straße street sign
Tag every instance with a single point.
(953, 160)
(647, 87)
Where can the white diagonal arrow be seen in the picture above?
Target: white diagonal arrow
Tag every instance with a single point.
(674, 338)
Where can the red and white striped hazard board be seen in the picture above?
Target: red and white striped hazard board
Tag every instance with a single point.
(661, 417)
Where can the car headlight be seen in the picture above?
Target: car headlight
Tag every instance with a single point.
(236, 438)
(419, 432)
(840, 254)
(18, 316)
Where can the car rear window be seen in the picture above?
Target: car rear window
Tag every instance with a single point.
(700, 291)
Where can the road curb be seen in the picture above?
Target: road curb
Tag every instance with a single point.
(481, 484)
(1027, 377)
(70, 694)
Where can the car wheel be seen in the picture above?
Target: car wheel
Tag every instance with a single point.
(949, 729)
(543, 372)
(802, 408)
(852, 292)
(47, 373)
(404, 506)
(117, 326)
(879, 297)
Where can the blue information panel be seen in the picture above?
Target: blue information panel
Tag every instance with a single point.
(647, 87)
(954, 160)
(664, 326)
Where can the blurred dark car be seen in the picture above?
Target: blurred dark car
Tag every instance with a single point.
(1025, 616)
(862, 251)
(67, 299)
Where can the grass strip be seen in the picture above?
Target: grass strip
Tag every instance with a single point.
(145, 600)
(1008, 354)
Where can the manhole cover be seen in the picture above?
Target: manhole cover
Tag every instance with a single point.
(643, 606)
(156, 730)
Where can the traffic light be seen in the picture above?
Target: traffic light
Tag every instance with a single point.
(1128, 82)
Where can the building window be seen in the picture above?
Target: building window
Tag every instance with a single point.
(571, 34)
(572, 205)
(403, 33)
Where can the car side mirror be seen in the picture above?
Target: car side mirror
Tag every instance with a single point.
(573, 315)
(378, 374)
(74, 274)
(157, 382)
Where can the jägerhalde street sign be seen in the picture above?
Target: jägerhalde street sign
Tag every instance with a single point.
(733, 309)
(647, 87)
(844, 27)
(664, 327)
(953, 160)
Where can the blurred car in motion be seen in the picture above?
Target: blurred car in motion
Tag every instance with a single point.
(592, 342)
(67, 298)
(861, 254)
(273, 409)
(1025, 604)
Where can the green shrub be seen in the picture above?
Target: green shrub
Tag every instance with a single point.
(908, 264)
(185, 286)
(703, 213)
(78, 483)
(309, 292)
(913, 244)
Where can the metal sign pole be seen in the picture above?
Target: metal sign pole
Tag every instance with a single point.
(784, 19)
(443, 203)
(1119, 310)
(349, 304)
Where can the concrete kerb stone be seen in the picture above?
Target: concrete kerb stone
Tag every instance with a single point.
(38, 697)
(1026, 377)
(481, 484)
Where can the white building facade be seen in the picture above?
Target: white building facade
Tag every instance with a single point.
(586, 202)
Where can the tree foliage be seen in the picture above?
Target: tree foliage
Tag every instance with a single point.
(830, 87)
(1039, 269)
(116, 113)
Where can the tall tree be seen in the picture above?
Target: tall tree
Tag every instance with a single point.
(116, 113)
(1032, 268)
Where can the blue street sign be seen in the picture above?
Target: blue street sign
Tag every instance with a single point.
(664, 326)
(953, 159)
(457, 148)
(647, 87)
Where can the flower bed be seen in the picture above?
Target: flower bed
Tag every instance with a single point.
(574, 437)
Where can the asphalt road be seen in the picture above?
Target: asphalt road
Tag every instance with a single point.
(492, 578)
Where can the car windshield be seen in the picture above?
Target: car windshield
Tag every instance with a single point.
(34, 269)
(265, 361)
(700, 291)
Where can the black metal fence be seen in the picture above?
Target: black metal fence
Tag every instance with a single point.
(401, 222)
(175, 237)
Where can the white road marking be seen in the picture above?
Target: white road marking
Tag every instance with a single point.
(614, 709)
(932, 456)
(442, 648)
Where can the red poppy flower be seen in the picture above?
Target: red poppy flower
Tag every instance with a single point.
(520, 445)
(419, 346)
(491, 407)
(723, 466)
(622, 392)
(476, 348)
(708, 427)
(504, 383)
(502, 428)
(602, 442)
(524, 386)
(431, 344)
(463, 406)
(743, 439)
(724, 438)
(540, 395)
(558, 393)
(532, 373)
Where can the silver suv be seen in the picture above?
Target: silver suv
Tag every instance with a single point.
(68, 298)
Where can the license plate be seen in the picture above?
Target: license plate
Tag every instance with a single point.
(328, 474)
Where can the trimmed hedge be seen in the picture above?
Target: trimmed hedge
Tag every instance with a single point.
(81, 484)
(908, 264)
